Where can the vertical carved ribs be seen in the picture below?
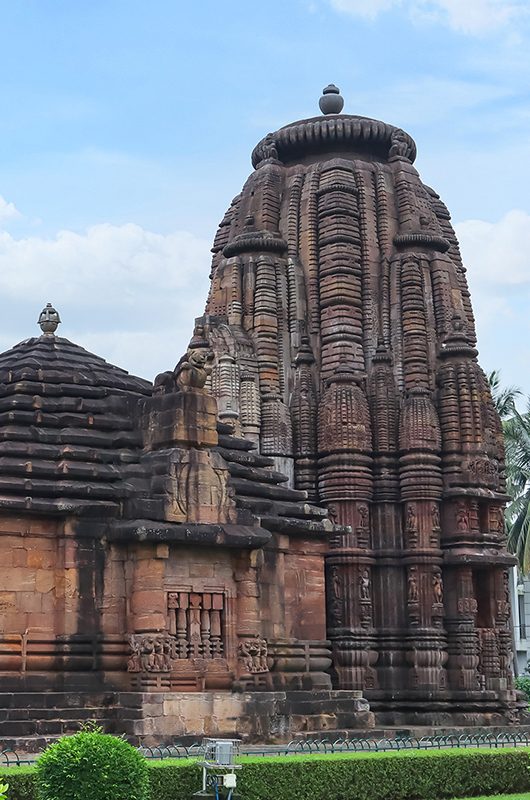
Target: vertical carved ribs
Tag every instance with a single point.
(344, 443)
(444, 219)
(250, 414)
(270, 197)
(304, 420)
(414, 322)
(385, 243)
(312, 256)
(340, 259)
(384, 405)
(472, 434)
(266, 324)
(293, 214)
(370, 309)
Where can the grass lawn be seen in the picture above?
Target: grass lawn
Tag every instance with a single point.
(523, 796)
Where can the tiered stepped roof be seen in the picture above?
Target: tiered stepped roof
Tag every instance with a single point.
(66, 427)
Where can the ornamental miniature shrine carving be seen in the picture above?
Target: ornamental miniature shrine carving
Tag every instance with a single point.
(311, 500)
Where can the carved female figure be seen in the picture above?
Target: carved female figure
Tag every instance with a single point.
(411, 518)
(435, 517)
(413, 595)
(462, 518)
(437, 588)
(364, 585)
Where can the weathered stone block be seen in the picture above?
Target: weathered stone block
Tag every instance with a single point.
(44, 580)
(186, 419)
(17, 579)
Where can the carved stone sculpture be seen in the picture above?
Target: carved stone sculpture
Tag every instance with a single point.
(413, 594)
(149, 653)
(192, 372)
(437, 589)
(364, 585)
(399, 145)
(252, 655)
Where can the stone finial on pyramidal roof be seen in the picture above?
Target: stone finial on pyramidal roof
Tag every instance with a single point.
(49, 319)
(331, 101)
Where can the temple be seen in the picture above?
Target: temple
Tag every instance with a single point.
(299, 529)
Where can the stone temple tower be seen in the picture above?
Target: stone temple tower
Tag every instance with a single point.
(299, 529)
(341, 322)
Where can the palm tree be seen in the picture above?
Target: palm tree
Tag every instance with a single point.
(516, 429)
(504, 399)
(517, 444)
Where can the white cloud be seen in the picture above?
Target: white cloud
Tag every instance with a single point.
(491, 309)
(8, 210)
(122, 258)
(474, 17)
(127, 293)
(470, 16)
(496, 255)
(497, 252)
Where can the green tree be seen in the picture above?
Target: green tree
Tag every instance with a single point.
(517, 444)
(516, 427)
(503, 397)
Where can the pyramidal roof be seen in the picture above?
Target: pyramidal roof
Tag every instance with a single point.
(66, 427)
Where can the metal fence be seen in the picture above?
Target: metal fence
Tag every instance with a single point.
(9, 757)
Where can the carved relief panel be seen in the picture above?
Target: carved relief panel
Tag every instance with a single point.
(411, 525)
(413, 596)
(192, 654)
(336, 597)
(253, 656)
(365, 597)
(437, 599)
(150, 653)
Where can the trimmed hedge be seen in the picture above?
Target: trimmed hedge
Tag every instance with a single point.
(22, 782)
(429, 775)
(175, 779)
(387, 776)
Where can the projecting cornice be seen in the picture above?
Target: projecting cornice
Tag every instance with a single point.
(343, 132)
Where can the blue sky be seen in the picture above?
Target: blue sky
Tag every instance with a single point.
(126, 129)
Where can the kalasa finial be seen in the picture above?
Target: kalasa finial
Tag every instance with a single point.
(331, 101)
(49, 320)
